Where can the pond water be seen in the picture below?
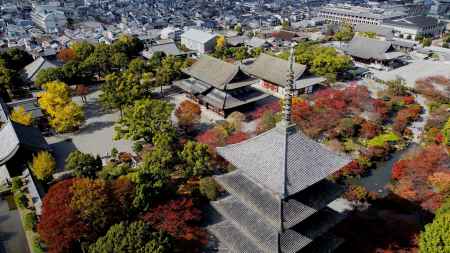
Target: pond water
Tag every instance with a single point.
(379, 178)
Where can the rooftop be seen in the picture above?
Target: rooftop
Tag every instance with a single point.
(265, 157)
(198, 35)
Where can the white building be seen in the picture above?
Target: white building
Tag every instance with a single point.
(200, 41)
(411, 27)
(352, 16)
(171, 32)
(51, 21)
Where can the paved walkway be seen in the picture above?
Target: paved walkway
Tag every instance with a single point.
(95, 135)
(12, 236)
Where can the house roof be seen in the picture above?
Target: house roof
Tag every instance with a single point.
(197, 35)
(367, 48)
(167, 48)
(212, 71)
(414, 22)
(236, 40)
(256, 42)
(14, 135)
(273, 69)
(32, 69)
(265, 157)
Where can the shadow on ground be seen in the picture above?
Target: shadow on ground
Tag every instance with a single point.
(61, 151)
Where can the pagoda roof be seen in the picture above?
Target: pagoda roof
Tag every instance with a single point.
(256, 229)
(283, 160)
(264, 201)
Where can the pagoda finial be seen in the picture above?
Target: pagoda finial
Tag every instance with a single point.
(288, 89)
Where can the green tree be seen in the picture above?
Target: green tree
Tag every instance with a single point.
(426, 42)
(15, 59)
(43, 165)
(99, 61)
(49, 75)
(82, 50)
(122, 89)
(136, 237)
(162, 154)
(150, 182)
(83, 165)
(238, 28)
(209, 188)
(196, 159)
(129, 45)
(144, 119)
(436, 237)
(370, 35)
(285, 24)
(119, 60)
(9, 81)
(345, 33)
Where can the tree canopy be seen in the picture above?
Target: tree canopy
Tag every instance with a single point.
(43, 165)
(19, 115)
(65, 115)
(144, 119)
(136, 237)
(83, 165)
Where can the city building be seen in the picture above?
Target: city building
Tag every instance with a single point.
(200, 41)
(279, 196)
(412, 27)
(221, 86)
(355, 15)
(50, 21)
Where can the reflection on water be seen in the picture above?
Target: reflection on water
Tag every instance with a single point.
(380, 177)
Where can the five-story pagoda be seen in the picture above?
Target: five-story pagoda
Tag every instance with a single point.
(279, 195)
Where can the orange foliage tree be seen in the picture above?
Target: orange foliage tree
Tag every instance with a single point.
(188, 113)
(66, 54)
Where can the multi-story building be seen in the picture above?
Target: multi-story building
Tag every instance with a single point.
(355, 15)
(51, 21)
(412, 27)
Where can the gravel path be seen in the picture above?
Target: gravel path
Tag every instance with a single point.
(417, 127)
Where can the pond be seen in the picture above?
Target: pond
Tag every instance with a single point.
(380, 177)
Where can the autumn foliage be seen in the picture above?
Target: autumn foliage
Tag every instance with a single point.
(423, 176)
(80, 210)
(66, 54)
(60, 227)
(179, 218)
(188, 113)
(237, 137)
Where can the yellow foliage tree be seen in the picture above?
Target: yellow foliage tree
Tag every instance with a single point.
(20, 116)
(65, 115)
(220, 42)
(43, 165)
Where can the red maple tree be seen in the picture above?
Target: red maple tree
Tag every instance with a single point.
(178, 218)
(60, 227)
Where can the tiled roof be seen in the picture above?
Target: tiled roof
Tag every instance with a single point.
(32, 69)
(273, 69)
(265, 157)
(212, 71)
(366, 48)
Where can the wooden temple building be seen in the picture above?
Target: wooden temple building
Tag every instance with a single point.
(270, 70)
(279, 195)
(221, 86)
